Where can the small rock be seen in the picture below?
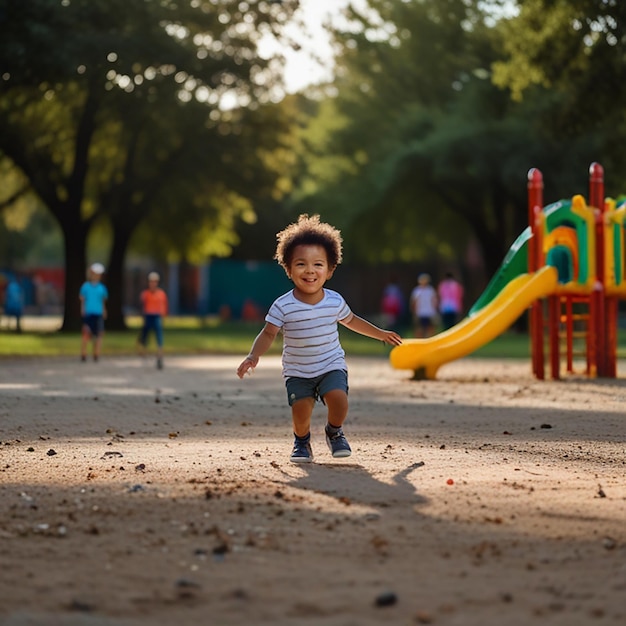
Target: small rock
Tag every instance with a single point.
(111, 453)
(186, 583)
(80, 605)
(609, 543)
(51, 452)
(387, 598)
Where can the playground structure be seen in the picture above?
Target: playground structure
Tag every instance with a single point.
(568, 268)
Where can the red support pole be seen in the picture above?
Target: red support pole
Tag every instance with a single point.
(554, 325)
(569, 333)
(535, 205)
(611, 311)
(596, 201)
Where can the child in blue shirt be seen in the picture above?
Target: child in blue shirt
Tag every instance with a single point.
(93, 297)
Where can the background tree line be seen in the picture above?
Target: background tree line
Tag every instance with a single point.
(161, 124)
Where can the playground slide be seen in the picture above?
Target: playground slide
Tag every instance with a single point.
(425, 356)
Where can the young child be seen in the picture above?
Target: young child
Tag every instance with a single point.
(314, 365)
(424, 306)
(450, 292)
(154, 307)
(93, 296)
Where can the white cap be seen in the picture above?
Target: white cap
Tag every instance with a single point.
(154, 276)
(97, 268)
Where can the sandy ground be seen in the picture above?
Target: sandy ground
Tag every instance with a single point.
(135, 496)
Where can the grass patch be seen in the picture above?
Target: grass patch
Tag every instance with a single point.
(194, 335)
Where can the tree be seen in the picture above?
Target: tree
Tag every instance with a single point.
(424, 148)
(416, 122)
(124, 111)
(574, 49)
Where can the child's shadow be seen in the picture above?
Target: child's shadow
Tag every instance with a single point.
(355, 484)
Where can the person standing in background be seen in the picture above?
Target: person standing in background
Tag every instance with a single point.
(14, 303)
(450, 293)
(154, 306)
(392, 304)
(424, 306)
(93, 296)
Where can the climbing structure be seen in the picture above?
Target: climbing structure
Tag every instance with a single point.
(568, 269)
(585, 243)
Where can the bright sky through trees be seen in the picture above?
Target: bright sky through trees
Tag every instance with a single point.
(312, 63)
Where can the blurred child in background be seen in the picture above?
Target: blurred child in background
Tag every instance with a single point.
(14, 303)
(93, 297)
(424, 306)
(450, 293)
(154, 307)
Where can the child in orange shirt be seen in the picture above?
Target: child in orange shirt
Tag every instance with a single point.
(154, 307)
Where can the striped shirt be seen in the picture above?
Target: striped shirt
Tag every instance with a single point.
(310, 337)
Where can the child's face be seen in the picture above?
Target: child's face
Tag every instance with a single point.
(309, 269)
(153, 284)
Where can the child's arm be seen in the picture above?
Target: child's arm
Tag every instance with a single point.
(363, 327)
(260, 346)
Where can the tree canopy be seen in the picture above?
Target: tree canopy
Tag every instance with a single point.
(416, 147)
(125, 111)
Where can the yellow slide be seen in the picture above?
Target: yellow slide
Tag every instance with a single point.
(425, 356)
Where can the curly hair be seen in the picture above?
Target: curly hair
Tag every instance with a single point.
(308, 231)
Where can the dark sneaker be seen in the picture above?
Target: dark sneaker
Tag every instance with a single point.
(338, 445)
(302, 452)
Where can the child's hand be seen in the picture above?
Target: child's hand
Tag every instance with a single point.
(391, 337)
(248, 364)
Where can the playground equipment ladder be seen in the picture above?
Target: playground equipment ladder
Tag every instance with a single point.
(561, 323)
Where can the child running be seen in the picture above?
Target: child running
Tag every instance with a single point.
(314, 365)
(154, 307)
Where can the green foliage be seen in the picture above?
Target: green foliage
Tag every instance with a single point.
(416, 148)
(151, 115)
(421, 141)
(575, 49)
(208, 336)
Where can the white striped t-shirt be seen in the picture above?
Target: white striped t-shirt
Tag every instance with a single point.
(310, 337)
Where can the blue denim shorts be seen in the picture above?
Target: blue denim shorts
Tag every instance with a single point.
(151, 323)
(316, 388)
(95, 324)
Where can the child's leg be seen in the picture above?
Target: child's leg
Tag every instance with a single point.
(337, 404)
(84, 340)
(97, 338)
(97, 344)
(334, 391)
(158, 333)
(142, 340)
(301, 412)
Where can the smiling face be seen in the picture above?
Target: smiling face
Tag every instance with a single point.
(309, 270)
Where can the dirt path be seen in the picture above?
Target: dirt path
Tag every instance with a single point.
(135, 496)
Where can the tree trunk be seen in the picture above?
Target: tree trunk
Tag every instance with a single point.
(75, 246)
(116, 277)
